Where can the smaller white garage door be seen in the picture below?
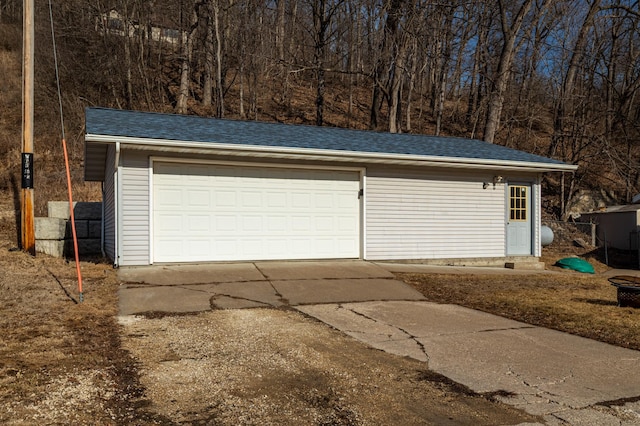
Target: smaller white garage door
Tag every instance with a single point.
(207, 212)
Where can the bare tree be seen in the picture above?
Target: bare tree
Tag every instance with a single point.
(568, 82)
(185, 68)
(323, 12)
(386, 66)
(510, 29)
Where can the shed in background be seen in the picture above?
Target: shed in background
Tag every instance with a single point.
(616, 226)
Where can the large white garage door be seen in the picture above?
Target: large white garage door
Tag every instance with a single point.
(207, 212)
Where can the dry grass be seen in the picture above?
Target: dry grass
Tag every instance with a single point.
(60, 361)
(580, 304)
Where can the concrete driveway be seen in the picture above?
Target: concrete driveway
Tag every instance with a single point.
(193, 288)
(561, 377)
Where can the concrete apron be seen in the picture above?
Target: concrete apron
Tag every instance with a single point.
(561, 377)
(193, 288)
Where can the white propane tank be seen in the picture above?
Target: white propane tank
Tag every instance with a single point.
(546, 235)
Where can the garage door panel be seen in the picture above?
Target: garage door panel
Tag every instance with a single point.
(224, 212)
(325, 245)
(346, 245)
(301, 223)
(343, 201)
(225, 247)
(199, 198)
(252, 224)
(169, 223)
(170, 247)
(278, 246)
(345, 223)
(224, 198)
(198, 224)
(324, 223)
(225, 224)
(170, 197)
(251, 199)
(199, 247)
(276, 225)
(276, 199)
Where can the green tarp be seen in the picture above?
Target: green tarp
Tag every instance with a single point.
(576, 264)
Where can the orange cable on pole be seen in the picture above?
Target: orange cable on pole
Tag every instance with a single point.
(66, 162)
(73, 220)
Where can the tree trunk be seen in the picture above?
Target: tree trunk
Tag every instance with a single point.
(445, 54)
(185, 68)
(219, 80)
(323, 14)
(569, 79)
(394, 95)
(207, 86)
(412, 82)
(475, 91)
(384, 68)
(280, 32)
(510, 31)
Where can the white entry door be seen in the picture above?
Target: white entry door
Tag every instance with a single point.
(519, 220)
(217, 212)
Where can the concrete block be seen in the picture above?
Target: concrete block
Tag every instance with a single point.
(81, 210)
(88, 211)
(58, 209)
(95, 229)
(53, 248)
(82, 229)
(534, 266)
(88, 246)
(50, 228)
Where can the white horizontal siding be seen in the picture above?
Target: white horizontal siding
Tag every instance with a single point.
(134, 208)
(412, 214)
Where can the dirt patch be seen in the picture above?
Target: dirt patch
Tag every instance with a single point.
(268, 366)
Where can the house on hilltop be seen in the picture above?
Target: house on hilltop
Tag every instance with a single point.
(114, 23)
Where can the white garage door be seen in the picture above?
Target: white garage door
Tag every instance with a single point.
(206, 212)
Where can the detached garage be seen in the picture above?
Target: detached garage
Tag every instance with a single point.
(182, 189)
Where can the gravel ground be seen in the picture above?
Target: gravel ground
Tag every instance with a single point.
(268, 366)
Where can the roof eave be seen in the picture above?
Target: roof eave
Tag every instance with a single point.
(326, 155)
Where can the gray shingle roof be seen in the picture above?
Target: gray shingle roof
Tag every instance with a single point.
(184, 128)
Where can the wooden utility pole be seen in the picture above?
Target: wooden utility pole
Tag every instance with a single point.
(26, 199)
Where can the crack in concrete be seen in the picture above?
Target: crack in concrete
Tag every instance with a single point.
(524, 327)
(619, 402)
(279, 295)
(142, 284)
(366, 333)
(560, 419)
(553, 398)
(612, 416)
(211, 300)
(410, 336)
(216, 294)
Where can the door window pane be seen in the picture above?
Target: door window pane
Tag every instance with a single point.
(518, 202)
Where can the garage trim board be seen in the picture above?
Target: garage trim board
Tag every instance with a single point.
(232, 211)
